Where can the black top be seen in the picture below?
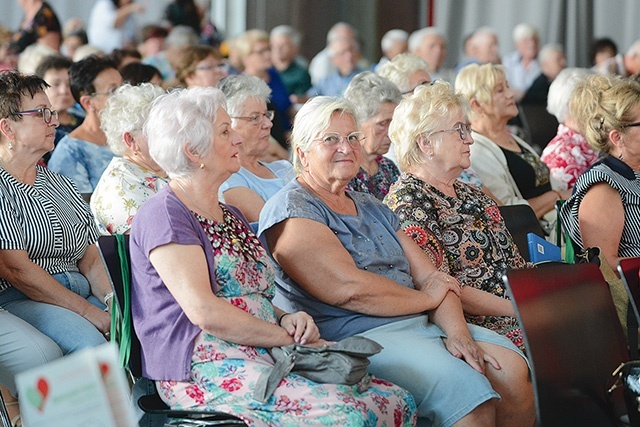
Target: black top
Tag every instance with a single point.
(529, 173)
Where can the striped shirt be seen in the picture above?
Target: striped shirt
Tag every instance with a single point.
(625, 181)
(49, 220)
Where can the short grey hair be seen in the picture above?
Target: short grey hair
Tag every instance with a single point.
(312, 119)
(126, 111)
(287, 31)
(561, 89)
(415, 39)
(368, 91)
(334, 31)
(180, 119)
(524, 31)
(181, 36)
(391, 37)
(240, 88)
(548, 49)
(400, 68)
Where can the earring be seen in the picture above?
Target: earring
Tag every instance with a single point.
(620, 157)
(10, 145)
(201, 165)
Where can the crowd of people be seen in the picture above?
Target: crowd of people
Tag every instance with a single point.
(273, 200)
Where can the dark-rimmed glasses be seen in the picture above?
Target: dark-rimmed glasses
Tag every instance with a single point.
(634, 124)
(257, 118)
(463, 130)
(331, 139)
(422, 83)
(46, 113)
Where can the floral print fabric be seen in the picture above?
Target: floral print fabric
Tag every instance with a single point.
(465, 236)
(122, 189)
(223, 374)
(378, 184)
(567, 155)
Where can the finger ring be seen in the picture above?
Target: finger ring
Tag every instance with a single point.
(448, 279)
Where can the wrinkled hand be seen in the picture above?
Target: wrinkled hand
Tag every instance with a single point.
(98, 318)
(438, 284)
(463, 347)
(301, 327)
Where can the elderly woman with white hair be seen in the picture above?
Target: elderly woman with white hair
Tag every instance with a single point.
(407, 71)
(132, 176)
(458, 226)
(375, 98)
(202, 288)
(358, 273)
(257, 180)
(568, 154)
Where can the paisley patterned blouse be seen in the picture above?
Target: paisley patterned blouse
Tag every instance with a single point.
(464, 236)
(378, 184)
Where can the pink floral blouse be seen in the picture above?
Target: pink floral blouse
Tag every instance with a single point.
(567, 155)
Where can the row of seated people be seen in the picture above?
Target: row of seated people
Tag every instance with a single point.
(414, 164)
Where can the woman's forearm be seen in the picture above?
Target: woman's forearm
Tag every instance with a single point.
(449, 317)
(476, 302)
(91, 267)
(543, 203)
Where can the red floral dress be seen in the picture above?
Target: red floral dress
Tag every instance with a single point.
(223, 374)
(465, 236)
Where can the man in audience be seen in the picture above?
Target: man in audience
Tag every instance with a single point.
(344, 54)
(321, 65)
(522, 66)
(430, 45)
(481, 47)
(394, 42)
(552, 61)
(285, 47)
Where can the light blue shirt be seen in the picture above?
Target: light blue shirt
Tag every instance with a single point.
(334, 84)
(264, 187)
(81, 161)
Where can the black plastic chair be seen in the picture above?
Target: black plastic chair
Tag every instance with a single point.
(520, 221)
(574, 342)
(629, 269)
(151, 404)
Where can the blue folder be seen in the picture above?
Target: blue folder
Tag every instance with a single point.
(541, 250)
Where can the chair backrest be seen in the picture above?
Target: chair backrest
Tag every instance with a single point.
(520, 221)
(629, 269)
(540, 126)
(574, 342)
(111, 258)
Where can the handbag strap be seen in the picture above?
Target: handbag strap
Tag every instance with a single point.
(121, 322)
(270, 378)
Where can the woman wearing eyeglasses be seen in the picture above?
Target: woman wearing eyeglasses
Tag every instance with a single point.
(456, 224)
(51, 275)
(507, 165)
(257, 180)
(83, 155)
(344, 259)
(199, 65)
(604, 210)
(376, 98)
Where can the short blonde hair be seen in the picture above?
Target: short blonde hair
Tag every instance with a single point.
(602, 104)
(400, 68)
(312, 119)
(423, 112)
(478, 81)
(243, 44)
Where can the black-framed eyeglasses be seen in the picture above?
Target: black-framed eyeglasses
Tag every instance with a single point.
(463, 130)
(422, 83)
(631, 125)
(331, 139)
(257, 118)
(46, 113)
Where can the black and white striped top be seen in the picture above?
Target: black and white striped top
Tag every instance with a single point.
(625, 181)
(49, 220)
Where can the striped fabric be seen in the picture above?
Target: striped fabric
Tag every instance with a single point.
(50, 221)
(625, 181)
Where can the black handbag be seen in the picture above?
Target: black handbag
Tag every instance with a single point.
(627, 376)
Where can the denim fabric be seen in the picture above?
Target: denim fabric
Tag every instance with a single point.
(66, 328)
(22, 347)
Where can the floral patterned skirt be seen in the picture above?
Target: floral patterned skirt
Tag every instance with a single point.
(223, 376)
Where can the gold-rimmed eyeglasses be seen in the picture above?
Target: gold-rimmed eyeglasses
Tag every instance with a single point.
(46, 113)
(331, 139)
(256, 118)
